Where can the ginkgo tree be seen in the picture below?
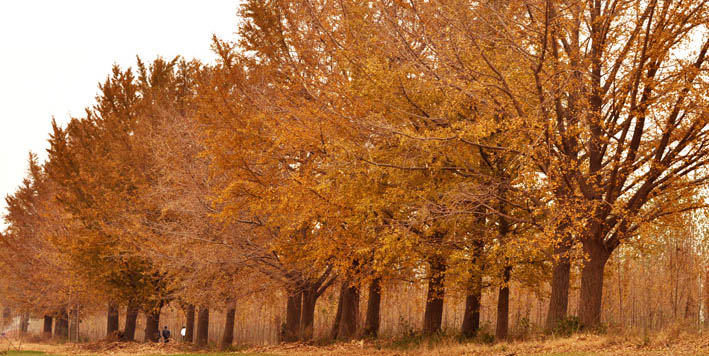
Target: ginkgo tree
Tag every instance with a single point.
(621, 88)
(464, 146)
(372, 105)
(40, 280)
(104, 171)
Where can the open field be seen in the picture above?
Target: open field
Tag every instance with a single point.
(580, 345)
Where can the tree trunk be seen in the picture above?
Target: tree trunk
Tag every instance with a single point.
(152, 325)
(706, 299)
(61, 326)
(338, 315)
(307, 316)
(47, 329)
(6, 316)
(74, 324)
(433, 315)
(592, 284)
(189, 328)
(310, 291)
(503, 307)
(293, 311)
(203, 326)
(503, 296)
(228, 335)
(112, 319)
(131, 320)
(471, 316)
(559, 300)
(350, 311)
(374, 302)
(24, 323)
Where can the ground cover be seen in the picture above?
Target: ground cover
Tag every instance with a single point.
(670, 344)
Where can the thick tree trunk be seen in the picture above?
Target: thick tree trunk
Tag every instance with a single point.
(202, 326)
(61, 326)
(338, 315)
(374, 302)
(307, 317)
(228, 335)
(47, 329)
(310, 291)
(293, 311)
(24, 323)
(592, 284)
(131, 320)
(433, 315)
(471, 316)
(559, 300)
(503, 307)
(112, 320)
(350, 311)
(152, 325)
(189, 328)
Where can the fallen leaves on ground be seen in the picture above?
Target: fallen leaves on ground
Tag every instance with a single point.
(580, 345)
(586, 345)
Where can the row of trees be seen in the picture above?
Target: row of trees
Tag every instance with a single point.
(355, 143)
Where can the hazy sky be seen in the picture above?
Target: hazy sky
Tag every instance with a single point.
(54, 53)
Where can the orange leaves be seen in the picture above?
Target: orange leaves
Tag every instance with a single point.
(379, 134)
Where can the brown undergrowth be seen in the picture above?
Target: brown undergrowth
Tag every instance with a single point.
(577, 345)
(669, 342)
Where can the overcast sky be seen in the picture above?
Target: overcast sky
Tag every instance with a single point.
(54, 53)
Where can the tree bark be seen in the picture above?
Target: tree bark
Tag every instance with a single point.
(307, 317)
(561, 270)
(592, 284)
(374, 302)
(228, 335)
(338, 315)
(503, 307)
(471, 316)
(203, 326)
(293, 311)
(47, 329)
(706, 299)
(61, 326)
(350, 311)
(24, 323)
(152, 325)
(433, 315)
(131, 320)
(310, 291)
(74, 324)
(112, 319)
(6, 316)
(189, 328)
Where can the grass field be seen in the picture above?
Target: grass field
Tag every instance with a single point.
(40, 353)
(580, 345)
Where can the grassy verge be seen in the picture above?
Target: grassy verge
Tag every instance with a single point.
(24, 353)
(39, 353)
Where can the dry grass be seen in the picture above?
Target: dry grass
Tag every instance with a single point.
(579, 345)
(108, 348)
(670, 342)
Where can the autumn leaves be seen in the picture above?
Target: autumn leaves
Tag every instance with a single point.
(463, 145)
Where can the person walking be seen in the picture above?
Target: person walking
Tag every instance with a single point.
(165, 335)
